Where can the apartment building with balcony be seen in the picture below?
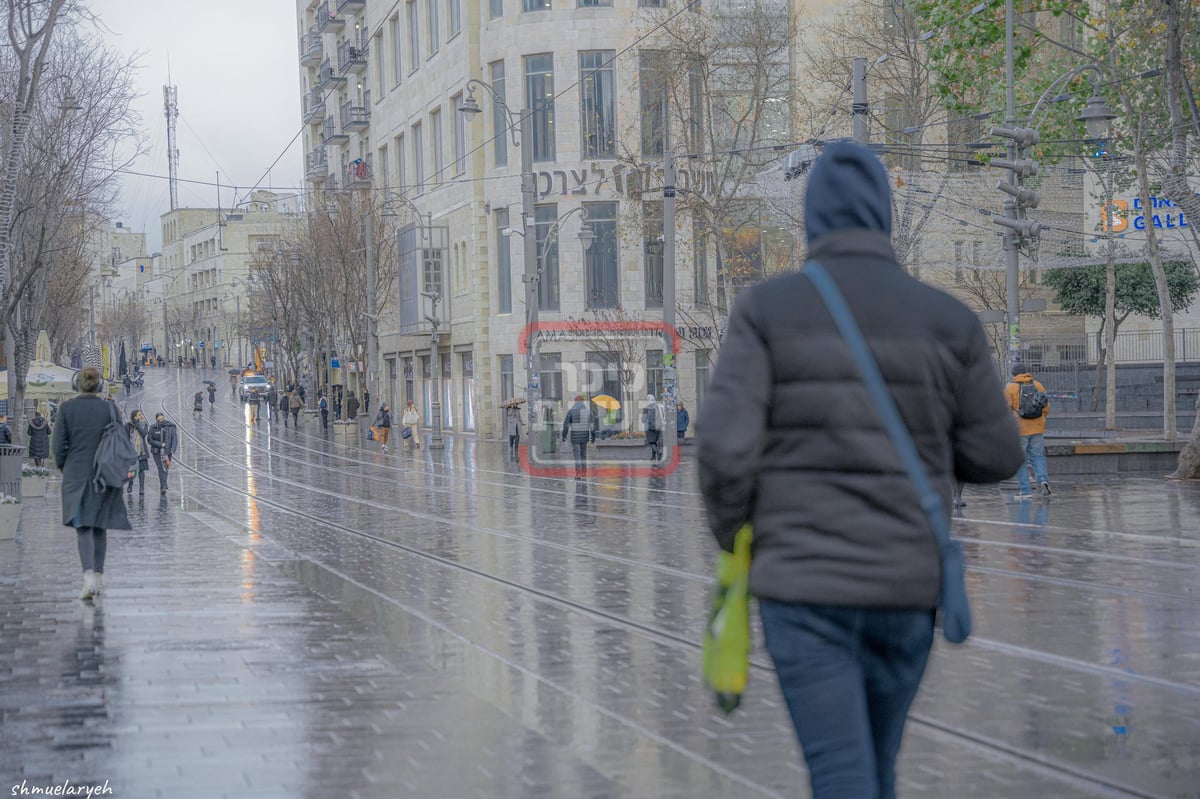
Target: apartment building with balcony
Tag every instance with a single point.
(383, 84)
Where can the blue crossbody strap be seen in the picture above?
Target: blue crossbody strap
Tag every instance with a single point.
(931, 503)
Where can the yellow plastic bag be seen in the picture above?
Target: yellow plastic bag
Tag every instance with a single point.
(726, 653)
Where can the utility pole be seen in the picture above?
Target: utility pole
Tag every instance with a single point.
(435, 371)
(238, 298)
(531, 278)
(372, 347)
(860, 107)
(669, 366)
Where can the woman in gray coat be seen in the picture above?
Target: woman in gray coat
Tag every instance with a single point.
(39, 439)
(77, 432)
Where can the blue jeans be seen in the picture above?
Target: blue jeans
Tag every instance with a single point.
(1034, 447)
(849, 676)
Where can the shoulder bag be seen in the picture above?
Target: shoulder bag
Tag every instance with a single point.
(955, 607)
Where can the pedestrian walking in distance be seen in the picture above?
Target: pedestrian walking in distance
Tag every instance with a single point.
(38, 433)
(581, 425)
(212, 396)
(411, 421)
(294, 404)
(383, 423)
(128, 383)
(351, 406)
(323, 406)
(138, 430)
(337, 403)
(652, 423)
(163, 440)
(233, 383)
(682, 420)
(198, 403)
(367, 401)
(77, 432)
(5, 431)
(273, 405)
(512, 424)
(253, 400)
(1030, 406)
(285, 403)
(845, 565)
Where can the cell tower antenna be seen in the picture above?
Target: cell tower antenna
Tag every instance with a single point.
(171, 111)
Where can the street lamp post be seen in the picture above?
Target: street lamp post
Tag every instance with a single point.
(586, 237)
(1020, 231)
(518, 126)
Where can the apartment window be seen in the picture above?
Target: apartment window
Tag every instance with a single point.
(499, 116)
(960, 255)
(544, 217)
(384, 171)
(700, 263)
(539, 97)
(550, 376)
(536, 5)
(508, 386)
(652, 252)
(455, 18)
(431, 14)
(439, 163)
(654, 373)
(495, 9)
(703, 361)
(414, 37)
(503, 264)
(418, 157)
(594, 3)
(597, 108)
(434, 273)
(602, 260)
(652, 90)
(460, 135)
(652, 3)
(379, 69)
(696, 106)
(401, 172)
(397, 49)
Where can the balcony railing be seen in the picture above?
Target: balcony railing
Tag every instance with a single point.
(316, 167)
(314, 107)
(326, 76)
(311, 49)
(359, 171)
(347, 6)
(355, 117)
(352, 58)
(328, 19)
(331, 134)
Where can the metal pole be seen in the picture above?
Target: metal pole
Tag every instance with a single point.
(372, 348)
(238, 298)
(531, 278)
(1012, 265)
(668, 435)
(861, 122)
(435, 439)
(1110, 311)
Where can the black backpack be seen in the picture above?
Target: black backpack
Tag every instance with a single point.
(116, 457)
(1032, 401)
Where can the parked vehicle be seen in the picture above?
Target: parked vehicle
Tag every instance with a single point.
(253, 384)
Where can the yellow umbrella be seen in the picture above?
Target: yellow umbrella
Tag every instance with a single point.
(41, 350)
(606, 402)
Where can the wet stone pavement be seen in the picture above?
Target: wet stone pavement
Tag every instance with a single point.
(305, 616)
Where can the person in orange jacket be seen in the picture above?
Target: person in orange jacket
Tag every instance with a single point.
(1030, 405)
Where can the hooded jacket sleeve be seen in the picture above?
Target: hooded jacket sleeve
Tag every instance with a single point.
(987, 448)
(731, 427)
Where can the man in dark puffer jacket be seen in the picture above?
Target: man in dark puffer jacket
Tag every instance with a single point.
(845, 565)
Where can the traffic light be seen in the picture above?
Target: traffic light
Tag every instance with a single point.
(1022, 198)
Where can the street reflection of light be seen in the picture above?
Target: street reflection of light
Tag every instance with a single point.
(248, 561)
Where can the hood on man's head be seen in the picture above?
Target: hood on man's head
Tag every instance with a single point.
(847, 188)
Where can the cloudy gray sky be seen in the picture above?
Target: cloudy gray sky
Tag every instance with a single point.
(234, 63)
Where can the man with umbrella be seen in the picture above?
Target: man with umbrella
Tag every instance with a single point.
(512, 424)
(212, 394)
